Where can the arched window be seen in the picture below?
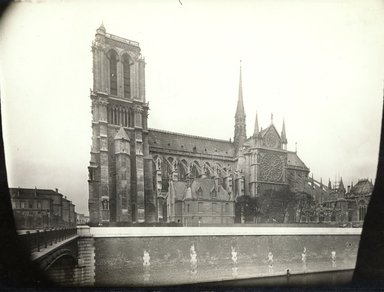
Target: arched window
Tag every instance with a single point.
(130, 117)
(114, 116)
(126, 76)
(113, 72)
(125, 118)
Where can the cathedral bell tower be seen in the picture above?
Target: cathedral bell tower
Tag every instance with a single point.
(119, 190)
(240, 128)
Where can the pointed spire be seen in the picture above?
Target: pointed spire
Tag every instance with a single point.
(321, 183)
(256, 131)
(101, 28)
(240, 104)
(341, 186)
(283, 134)
(240, 127)
(329, 184)
(271, 118)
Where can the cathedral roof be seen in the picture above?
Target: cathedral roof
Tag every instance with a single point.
(207, 187)
(189, 143)
(180, 189)
(363, 187)
(294, 160)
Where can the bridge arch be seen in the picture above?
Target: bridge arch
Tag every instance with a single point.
(60, 266)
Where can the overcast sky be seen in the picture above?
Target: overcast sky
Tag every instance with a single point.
(318, 64)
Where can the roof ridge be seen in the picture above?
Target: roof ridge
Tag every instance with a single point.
(188, 135)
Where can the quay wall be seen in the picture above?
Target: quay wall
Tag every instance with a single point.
(120, 258)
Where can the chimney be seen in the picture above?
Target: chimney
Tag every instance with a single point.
(57, 190)
(348, 189)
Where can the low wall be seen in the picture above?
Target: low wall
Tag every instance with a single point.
(167, 256)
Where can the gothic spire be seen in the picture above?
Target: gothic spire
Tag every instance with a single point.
(240, 127)
(329, 184)
(256, 130)
(283, 134)
(240, 113)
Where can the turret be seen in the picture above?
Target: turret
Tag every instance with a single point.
(123, 177)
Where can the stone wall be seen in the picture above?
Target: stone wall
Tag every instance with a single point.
(120, 261)
(84, 272)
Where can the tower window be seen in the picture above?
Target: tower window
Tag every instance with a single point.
(113, 73)
(130, 118)
(126, 77)
(138, 120)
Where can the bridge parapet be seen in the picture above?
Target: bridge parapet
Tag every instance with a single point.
(36, 240)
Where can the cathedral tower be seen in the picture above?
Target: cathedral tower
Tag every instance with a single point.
(118, 191)
(240, 128)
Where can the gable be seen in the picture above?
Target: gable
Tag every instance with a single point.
(271, 138)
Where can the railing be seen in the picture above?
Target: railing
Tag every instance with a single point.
(117, 38)
(35, 240)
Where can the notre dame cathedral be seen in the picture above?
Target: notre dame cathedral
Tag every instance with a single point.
(139, 174)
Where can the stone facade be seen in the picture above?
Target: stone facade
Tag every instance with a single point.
(132, 166)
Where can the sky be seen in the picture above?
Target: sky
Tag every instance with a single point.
(317, 64)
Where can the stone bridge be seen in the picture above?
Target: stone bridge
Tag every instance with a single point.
(65, 255)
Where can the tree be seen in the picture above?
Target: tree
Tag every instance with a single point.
(276, 205)
(305, 206)
(248, 208)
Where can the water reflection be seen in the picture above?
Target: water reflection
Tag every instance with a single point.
(146, 267)
(234, 262)
(333, 257)
(193, 261)
(270, 262)
(304, 259)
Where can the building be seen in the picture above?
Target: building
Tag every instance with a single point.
(342, 205)
(134, 170)
(199, 201)
(41, 208)
(81, 219)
